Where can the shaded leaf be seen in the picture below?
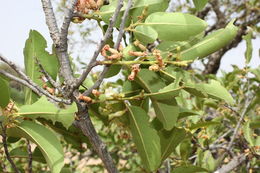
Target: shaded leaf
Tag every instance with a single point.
(47, 110)
(145, 137)
(4, 93)
(189, 169)
(166, 111)
(45, 139)
(203, 124)
(249, 48)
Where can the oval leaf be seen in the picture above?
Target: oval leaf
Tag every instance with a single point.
(200, 4)
(4, 93)
(145, 137)
(210, 43)
(45, 139)
(145, 34)
(175, 26)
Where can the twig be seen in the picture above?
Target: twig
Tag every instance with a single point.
(39, 91)
(236, 161)
(101, 44)
(48, 77)
(6, 148)
(116, 46)
(247, 104)
(29, 149)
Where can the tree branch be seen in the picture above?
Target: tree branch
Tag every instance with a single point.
(29, 149)
(107, 35)
(6, 148)
(235, 162)
(85, 124)
(116, 46)
(51, 21)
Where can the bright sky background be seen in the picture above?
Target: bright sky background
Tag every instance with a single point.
(18, 17)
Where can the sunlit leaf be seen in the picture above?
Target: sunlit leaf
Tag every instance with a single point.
(249, 48)
(47, 110)
(145, 34)
(45, 139)
(200, 4)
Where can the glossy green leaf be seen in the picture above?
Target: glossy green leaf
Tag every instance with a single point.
(175, 26)
(45, 139)
(170, 140)
(213, 89)
(211, 43)
(4, 93)
(166, 111)
(167, 92)
(208, 161)
(35, 48)
(200, 4)
(189, 169)
(145, 137)
(47, 110)
(136, 10)
(145, 34)
(249, 48)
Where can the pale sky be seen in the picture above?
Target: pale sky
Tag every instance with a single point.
(18, 17)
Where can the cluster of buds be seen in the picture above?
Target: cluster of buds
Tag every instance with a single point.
(143, 49)
(114, 54)
(160, 64)
(83, 6)
(134, 70)
(85, 99)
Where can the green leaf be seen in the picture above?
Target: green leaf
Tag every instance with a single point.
(4, 93)
(249, 48)
(136, 10)
(113, 70)
(167, 92)
(200, 4)
(45, 139)
(145, 34)
(175, 26)
(126, 50)
(211, 43)
(145, 137)
(189, 169)
(35, 48)
(166, 111)
(170, 140)
(214, 90)
(47, 110)
(248, 134)
(203, 124)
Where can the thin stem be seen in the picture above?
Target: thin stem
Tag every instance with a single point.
(102, 43)
(6, 148)
(29, 149)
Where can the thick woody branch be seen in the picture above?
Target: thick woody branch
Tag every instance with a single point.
(3, 129)
(60, 38)
(235, 162)
(30, 159)
(107, 35)
(51, 21)
(85, 124)
(116, 46)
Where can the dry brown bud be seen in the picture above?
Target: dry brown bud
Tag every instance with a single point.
(154, 67)
(96, 93)
(85, 99)
(132, 53)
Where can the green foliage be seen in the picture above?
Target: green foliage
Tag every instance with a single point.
(200, 4)
(45, 139)
(4, 93)
(35, 50)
